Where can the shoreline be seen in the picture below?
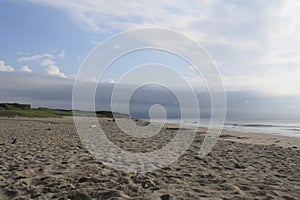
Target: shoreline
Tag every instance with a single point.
(252, 137)
(230, 129)
(240, 136)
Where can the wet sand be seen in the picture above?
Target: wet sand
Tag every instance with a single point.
(45, 159)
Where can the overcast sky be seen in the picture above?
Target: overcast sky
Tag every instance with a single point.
(254, 44)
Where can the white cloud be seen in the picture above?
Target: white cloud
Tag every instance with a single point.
(284, 35)
(48, 62)
(5, 68)
(35, 57)
(243, 36)
(26, 69)
(101, 15)
(52, 69)
(198, 19)
(236, 24)
(55, 71)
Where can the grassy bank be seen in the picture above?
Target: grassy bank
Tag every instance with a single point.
(25, 110)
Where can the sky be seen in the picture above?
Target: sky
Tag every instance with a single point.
(254, 44)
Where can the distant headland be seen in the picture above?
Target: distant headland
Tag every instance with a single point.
(25, 110)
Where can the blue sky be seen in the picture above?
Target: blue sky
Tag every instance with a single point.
(28, 30)
(254, 44)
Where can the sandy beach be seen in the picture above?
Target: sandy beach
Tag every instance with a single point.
(45, 159)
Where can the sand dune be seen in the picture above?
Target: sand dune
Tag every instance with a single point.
(44, 159)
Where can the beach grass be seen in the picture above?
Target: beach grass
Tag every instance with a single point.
(12, 110)
(49, 113)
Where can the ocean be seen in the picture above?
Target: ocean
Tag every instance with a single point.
(284, 127)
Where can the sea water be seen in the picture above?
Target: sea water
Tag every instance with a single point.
(283, 127)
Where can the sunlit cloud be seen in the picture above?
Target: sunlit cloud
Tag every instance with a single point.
(5, 68)
(26, 69)
(55, 71)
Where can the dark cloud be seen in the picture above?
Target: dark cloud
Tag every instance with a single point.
(44, 91)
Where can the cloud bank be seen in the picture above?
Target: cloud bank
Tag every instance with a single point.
(45, 91)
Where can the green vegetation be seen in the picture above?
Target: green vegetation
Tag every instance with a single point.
(14, 106)
(25, 110)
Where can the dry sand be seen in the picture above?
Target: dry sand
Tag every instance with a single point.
(44, 159)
